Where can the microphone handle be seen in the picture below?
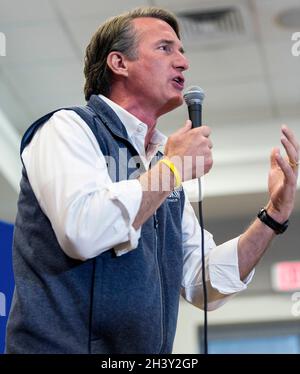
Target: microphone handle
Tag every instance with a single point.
(195, 114)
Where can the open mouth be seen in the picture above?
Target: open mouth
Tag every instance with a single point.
(179, 81)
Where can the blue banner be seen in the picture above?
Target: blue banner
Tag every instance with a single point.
(6, 277)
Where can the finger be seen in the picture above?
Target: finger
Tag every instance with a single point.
(187, 126)
(290, 150)
(284, 166)
(206, 131)
(203, 130)
(288, 133)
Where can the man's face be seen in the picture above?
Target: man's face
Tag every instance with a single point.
(155, 77)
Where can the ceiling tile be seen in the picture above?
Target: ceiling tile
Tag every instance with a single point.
(24, 12)
(280, 60)
(36, 43)
(83, 29)
(74, 9)
(179, 5)
(50, 86)
(287, 95)
(267, 12)
(226, 105)
(225, 64)
(12, 104)
(238, 101)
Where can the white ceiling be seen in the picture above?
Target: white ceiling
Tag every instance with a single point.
(252, 81)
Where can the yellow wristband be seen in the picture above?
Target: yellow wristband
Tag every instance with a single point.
(174, 170)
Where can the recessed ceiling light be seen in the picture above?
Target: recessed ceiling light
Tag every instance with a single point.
(289, 18)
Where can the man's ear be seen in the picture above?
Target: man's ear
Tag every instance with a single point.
(117, 63)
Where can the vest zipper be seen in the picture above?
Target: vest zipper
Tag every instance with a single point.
(160, 284)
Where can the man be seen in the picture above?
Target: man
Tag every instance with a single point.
(100, 258)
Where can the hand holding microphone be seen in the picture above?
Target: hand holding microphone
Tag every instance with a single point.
(189, 148)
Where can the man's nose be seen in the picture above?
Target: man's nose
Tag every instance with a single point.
(181, 62)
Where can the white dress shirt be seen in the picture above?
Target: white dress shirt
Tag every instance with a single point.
(90, 214)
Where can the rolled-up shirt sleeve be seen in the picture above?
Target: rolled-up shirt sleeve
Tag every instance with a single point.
(221, 265)
(89, 213)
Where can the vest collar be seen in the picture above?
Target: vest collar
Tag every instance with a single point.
(108, 117)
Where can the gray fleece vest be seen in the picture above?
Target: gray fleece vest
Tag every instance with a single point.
(108, 304)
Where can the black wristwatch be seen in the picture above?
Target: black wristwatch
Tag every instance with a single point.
(279, 228)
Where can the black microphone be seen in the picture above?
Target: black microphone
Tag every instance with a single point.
(194, 97)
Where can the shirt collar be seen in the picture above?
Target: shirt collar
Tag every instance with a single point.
(137, 130)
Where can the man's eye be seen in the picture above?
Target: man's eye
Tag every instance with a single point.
(164, 47)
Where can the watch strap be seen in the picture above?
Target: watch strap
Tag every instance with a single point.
(279, 228)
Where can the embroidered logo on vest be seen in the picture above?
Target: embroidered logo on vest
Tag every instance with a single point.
(174, 195)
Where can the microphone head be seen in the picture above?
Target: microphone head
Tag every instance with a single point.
(193, 95)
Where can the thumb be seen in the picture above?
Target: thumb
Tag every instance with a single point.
(187, 126)
(273, 159)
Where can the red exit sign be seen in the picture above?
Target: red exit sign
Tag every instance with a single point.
(286, 276)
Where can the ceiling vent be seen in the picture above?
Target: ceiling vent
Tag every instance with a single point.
(214, 25)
